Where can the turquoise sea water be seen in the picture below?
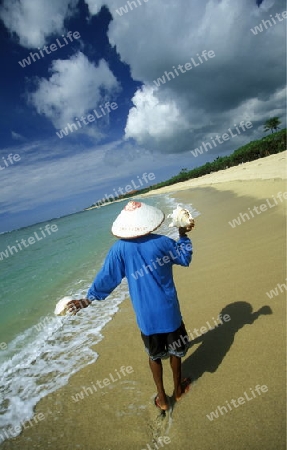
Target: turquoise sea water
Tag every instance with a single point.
(44, 350)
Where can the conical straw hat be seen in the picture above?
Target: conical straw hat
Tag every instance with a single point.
(137, 219)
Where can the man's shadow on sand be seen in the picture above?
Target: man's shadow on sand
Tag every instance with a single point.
(216, 343)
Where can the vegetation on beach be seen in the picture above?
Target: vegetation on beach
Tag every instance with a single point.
(272, 124)
(273, 143)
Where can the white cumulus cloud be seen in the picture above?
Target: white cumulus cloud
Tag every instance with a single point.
(158, 35)
(75, 87)
(151, 117)
(33, 21)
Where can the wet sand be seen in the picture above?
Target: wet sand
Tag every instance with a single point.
(238, 366)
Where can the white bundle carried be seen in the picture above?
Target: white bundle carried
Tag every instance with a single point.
(61, 307)
(181, 217)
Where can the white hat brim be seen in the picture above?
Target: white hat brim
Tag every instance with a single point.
(137, 219)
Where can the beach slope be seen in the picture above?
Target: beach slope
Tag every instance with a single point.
(238, 279)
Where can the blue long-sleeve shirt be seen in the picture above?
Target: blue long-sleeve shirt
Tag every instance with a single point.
(147, 263)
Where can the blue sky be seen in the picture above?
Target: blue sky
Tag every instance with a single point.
(112, 57)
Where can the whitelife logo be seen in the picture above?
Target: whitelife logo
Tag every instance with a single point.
(12, 432)
(47, 320)
(241, 401)
(3, 346)
(268, 24)
(145, 178)
(274, 292)
(102, 383)
(129, 6)
(158, 443)
(53, 47)
(225, 137)
(167, 76)
(190, 336)
(185, 248)
(258, 209)
(49, 229)
(71, 127)
(9, 160)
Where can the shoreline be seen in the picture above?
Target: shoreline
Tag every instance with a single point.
(231, 272)
(243, 171)
(268, 168)
(271, 169)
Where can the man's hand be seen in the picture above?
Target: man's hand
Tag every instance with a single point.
(75, 305)
(183, 230)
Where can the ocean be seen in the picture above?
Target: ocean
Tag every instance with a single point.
(38, 350)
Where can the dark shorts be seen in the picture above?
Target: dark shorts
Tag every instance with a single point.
(163, 345)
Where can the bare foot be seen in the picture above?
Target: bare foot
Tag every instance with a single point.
(161, 403)
(183, 389)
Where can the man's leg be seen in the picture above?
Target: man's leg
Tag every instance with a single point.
(175, 364)
(157, 372)
(180, 387)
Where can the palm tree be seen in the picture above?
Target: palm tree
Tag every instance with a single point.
(272, 124)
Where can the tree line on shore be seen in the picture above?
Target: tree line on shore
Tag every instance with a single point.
(273, 143)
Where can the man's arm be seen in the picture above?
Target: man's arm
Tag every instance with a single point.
(108, 278)
(183, 247)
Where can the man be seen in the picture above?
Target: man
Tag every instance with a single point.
(146, 260)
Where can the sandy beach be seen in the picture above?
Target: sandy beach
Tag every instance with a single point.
(272, 167)
(238, 367)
